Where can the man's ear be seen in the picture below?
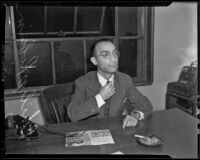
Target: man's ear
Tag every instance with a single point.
(93, 60)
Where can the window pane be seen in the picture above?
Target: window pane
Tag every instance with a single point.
(35, 63)
(60, 19)
(69, 60)
(7, 24)
(128, 57)
(93, 26)
(89, 18)
(108, 28)
(127, 21)
(29, 19)
(9, 67)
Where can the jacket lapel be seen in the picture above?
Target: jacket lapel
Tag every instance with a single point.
(93, 83)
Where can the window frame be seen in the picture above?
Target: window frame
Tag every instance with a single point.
(145, 76)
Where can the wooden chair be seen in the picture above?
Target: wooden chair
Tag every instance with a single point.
(55, 101)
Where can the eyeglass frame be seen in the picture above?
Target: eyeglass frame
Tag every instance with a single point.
(107, 55)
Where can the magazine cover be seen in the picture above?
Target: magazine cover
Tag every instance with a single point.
(90, 137)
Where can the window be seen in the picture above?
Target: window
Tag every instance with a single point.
(59, 21)
(48, 45)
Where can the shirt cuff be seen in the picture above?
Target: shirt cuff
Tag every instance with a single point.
(141, 117)
(100, 101)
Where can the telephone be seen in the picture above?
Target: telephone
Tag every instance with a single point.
(17, 127)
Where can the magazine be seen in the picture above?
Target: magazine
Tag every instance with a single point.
(90, 137)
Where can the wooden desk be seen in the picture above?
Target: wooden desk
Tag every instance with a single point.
(177, 129)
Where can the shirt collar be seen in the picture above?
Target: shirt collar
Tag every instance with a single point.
(103, 81)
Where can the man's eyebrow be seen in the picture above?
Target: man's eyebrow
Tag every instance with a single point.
(107, 50)
(104, 51)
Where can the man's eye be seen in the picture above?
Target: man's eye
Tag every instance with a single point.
(106, 54)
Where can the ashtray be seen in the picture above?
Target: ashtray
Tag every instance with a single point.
(150, 141)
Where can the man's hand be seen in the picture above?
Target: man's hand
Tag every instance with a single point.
(107, 91)
(130, 121)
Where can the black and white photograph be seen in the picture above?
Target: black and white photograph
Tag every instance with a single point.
(125, 70)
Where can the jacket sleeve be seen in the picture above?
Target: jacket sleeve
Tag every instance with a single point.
(137, 101)
(80, 107)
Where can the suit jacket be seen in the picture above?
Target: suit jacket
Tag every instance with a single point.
(83, 104)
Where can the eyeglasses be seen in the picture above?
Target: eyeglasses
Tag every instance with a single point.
(107, 55)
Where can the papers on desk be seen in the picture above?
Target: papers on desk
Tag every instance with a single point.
(90, 137)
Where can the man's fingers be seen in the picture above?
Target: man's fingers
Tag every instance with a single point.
(124, 122)
(129, 121)
(109, 86)
(134, 121)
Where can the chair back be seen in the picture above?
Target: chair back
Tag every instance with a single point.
(56, 100)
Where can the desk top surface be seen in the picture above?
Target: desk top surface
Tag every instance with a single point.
(177, 129)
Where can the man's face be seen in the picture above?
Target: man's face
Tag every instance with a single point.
(106, 58)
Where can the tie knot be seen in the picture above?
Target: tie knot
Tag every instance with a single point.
(108, 81)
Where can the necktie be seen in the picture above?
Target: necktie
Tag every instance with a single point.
(107, 106)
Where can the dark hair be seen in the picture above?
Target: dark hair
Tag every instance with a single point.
(92, 48)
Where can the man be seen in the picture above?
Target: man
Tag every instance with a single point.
(106, 92)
